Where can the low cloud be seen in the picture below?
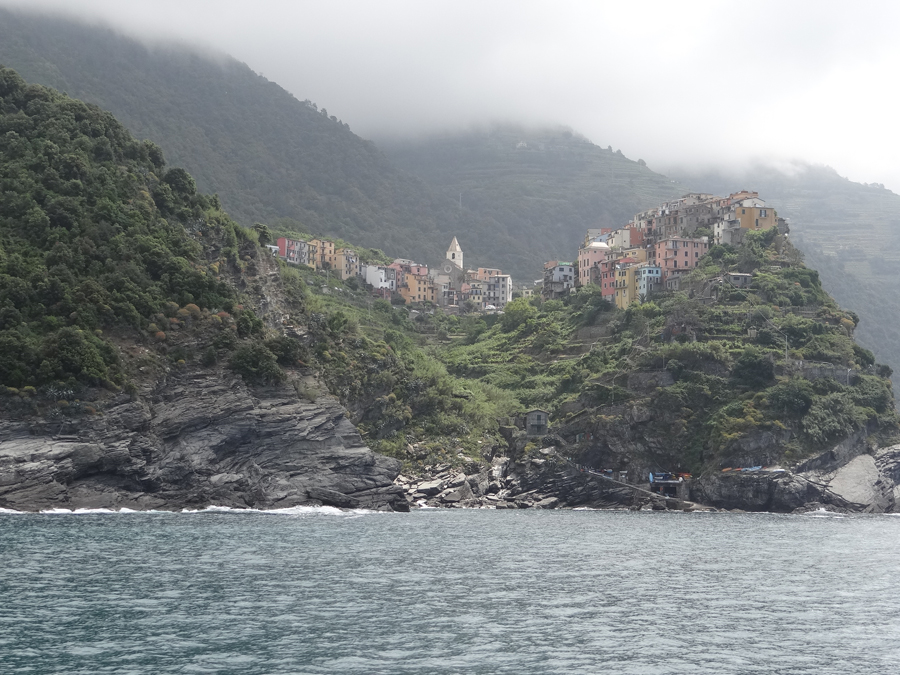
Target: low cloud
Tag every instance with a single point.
(698, 83)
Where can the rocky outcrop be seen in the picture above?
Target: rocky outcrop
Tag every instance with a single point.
(542, 481)
(851, 476)
(195, 440)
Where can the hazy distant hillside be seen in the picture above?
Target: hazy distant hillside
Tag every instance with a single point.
(546, 185)
(849, 232)
(267, 154)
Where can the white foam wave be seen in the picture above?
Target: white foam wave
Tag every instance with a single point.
(823, 513)
(287, 511)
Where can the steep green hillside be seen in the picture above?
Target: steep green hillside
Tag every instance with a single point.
(685, 381)
(92, 237)
(115, 271)
(546, 186)
(848, 231)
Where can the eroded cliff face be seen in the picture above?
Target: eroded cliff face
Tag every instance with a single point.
(854, 476)
(192, 440)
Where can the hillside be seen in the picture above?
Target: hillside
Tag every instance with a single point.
(698, 382)
(543, 185)
(849, 232)
(266, 154)
(140, 361)
(154, 355)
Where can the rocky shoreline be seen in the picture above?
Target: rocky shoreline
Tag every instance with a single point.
(193, 440)
(851, 477)
(197, 439)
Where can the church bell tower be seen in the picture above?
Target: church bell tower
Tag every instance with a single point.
(455, 254)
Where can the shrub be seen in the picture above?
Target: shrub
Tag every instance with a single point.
(287, 351)
(832, 417)
(516, 314)
(225, 340)
(256, 364)
(792, 398)
(208, 358)
(159, 336)
(753, 368)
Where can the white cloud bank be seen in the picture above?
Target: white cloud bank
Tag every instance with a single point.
(691, 82)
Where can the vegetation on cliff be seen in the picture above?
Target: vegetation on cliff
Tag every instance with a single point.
(96, 235)
(115, 269)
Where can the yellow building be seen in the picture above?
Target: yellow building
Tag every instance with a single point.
(755, 217)
(325, 255)
(418, 288)
(346, 263)
(626, 285)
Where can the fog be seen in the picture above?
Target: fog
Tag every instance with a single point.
(689, 83)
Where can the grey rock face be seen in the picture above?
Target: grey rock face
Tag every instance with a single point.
(850, 476)
(197, 440)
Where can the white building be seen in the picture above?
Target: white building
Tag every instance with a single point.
(498, 291)
(380, 277)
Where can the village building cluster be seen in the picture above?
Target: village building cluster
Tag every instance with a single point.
(658, 247)
(650, 253)
(449, 285)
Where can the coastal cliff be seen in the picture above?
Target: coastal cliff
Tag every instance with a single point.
(155, 354)
(195, 440)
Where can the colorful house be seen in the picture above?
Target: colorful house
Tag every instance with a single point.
(676, 255)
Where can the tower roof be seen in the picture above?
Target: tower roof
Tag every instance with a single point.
(454, 246)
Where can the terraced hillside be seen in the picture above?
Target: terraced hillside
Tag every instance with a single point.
(849, 232)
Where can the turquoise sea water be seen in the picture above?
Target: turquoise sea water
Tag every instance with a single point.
(449, 591)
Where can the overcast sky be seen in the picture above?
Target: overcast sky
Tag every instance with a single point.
(686, 82)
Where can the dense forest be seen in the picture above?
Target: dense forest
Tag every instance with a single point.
(93, 238)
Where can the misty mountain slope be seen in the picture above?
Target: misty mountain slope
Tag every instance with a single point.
(849, 232)
(547, 184)
(270, 156)
(267, 154)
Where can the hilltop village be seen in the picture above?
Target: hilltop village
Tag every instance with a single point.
(406, 281)
(653, 252)
(658, 247)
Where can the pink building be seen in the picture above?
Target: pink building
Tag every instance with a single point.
(676, 255)
(295, 250)
(590, 256)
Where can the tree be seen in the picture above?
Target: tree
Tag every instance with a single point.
(256, 364)
(517, 313)
(265, 234)
(753, 368)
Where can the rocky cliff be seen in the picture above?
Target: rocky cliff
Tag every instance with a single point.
(196, 439)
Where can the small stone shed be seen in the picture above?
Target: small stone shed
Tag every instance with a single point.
(536, 422)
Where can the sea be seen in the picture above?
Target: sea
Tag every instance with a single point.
(320, 590)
